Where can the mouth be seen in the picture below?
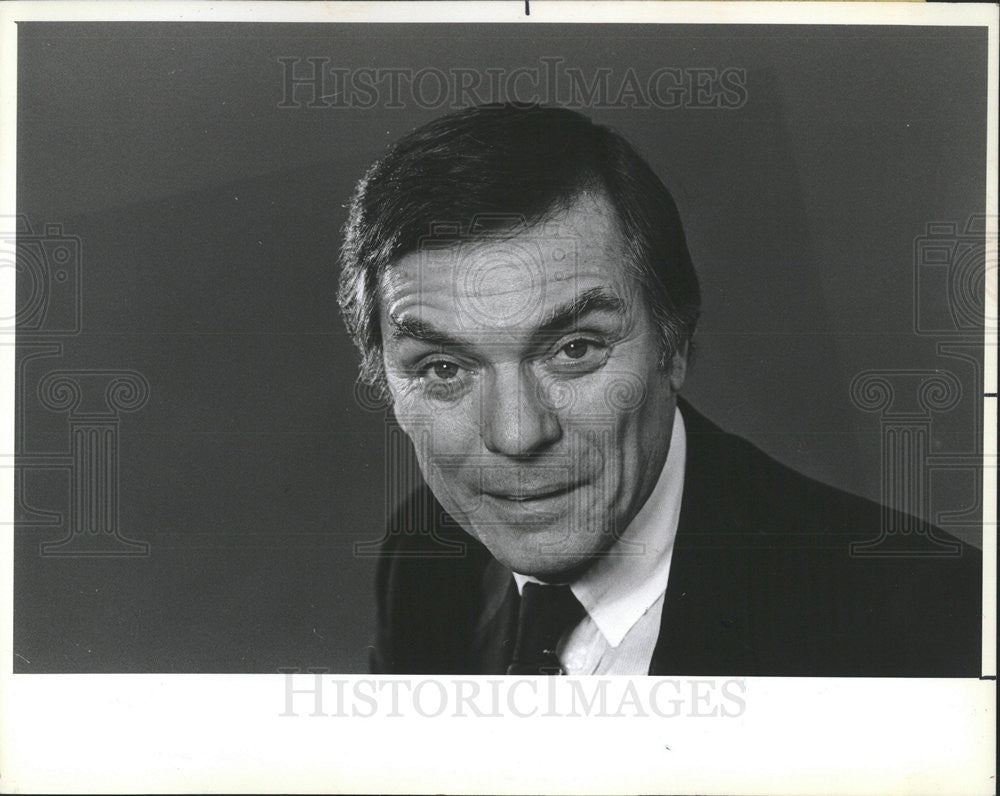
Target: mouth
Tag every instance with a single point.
(529, 496)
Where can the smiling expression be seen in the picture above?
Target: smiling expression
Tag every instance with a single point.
(527, 370)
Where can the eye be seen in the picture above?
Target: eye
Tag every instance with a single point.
(444, 379)
(576, 349)
(579, 355)
(443, 369)
(581, 348)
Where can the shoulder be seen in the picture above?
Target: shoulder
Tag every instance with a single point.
(427, 574)
(772, 499)
(833, 582)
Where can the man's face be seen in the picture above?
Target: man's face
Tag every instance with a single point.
(527, 372)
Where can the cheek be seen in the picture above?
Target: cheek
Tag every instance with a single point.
(435, 429)
(610, 420)
(605, 405)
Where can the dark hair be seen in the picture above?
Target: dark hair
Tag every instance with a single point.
(510, 160)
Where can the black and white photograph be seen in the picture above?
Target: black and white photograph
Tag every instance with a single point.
(612, 385)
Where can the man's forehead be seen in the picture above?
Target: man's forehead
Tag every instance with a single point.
(512, 277)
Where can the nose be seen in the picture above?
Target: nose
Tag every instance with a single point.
(515, 420)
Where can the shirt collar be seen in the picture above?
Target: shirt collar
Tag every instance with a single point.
(622, 585)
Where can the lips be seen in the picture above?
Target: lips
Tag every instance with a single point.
(529, 495)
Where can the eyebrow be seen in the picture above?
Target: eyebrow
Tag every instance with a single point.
(421, 330)
(597, 299)
(559, 319)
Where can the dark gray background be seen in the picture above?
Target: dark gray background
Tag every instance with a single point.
(209, 217)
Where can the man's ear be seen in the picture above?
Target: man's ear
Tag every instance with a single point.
(678, 367)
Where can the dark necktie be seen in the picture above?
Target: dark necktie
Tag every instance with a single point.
(546, 613)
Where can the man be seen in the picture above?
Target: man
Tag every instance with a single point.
(518, 283)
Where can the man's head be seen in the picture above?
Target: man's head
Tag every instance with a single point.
(517, 280)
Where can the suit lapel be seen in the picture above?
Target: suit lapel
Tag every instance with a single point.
(704, 627)
(495, 628)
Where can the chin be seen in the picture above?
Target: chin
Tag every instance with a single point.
(542, 556)
(556, 572)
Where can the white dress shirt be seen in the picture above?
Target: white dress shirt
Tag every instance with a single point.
(623, 591)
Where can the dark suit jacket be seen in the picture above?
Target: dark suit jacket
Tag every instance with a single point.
(763, 581)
